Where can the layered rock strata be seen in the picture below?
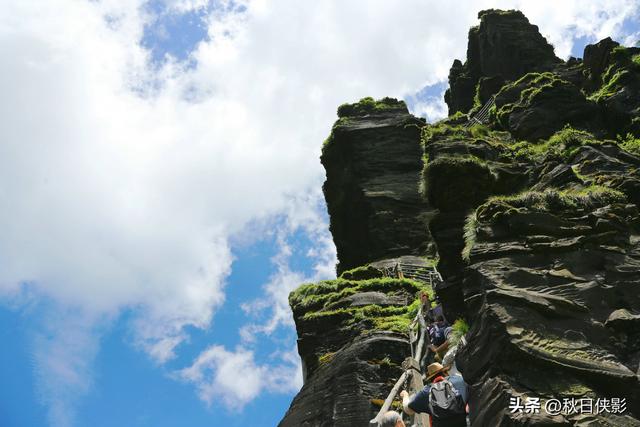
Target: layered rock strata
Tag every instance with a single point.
(373, 159)
(532, 219)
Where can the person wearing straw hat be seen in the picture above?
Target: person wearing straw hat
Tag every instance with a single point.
(444, 398)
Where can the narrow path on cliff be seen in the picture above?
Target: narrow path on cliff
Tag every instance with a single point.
(419, 341)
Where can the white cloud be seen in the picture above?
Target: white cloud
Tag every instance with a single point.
(271, 310)
(562, 22)
(122, 184)
(431, 108)
(235, 378)
(63, 351)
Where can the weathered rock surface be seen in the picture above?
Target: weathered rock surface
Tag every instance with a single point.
(533, 219)
(544, 98)
(504, 46)
(545, 270)
(352, 338)
(545, 287)
(341, 393)
(373, 160)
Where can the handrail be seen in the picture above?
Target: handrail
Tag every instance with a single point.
(482, 116)
(389, 400)
(414, 360)
(430, 276)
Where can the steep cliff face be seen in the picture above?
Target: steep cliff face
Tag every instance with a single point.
(549, 272)
(532, 219)
(373, 158)
(503, 47)
(352, 340)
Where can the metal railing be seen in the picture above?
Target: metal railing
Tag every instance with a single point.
(482, 116)
(421, 273)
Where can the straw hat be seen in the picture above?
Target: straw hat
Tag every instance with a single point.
(434, 369)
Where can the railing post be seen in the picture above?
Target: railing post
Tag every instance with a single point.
(387, 403)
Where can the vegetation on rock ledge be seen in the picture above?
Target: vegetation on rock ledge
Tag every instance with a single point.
(498, 208)
(329, 300)
(369, 105)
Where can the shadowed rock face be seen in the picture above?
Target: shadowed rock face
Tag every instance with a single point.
(504, 46)
(548, 287)
(545, 98)
(373, 160)
(342, 392)
(533, 218)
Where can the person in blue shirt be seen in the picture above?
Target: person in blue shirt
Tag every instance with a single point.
(447, 405)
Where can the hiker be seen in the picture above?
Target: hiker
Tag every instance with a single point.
(439, 332)
(444, 398)
(391, 419)
(430, 314)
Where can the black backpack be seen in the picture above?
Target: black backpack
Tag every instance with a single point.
(445, 401)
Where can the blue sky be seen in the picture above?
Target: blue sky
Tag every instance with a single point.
(161, 189)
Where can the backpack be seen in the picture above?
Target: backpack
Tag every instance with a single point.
(445, 401)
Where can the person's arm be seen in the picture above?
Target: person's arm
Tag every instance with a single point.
(444, 347)
(405, 402)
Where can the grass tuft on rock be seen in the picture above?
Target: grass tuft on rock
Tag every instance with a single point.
(552, 200)
(556, 200)
(469, 235)
(326, 358)
(459, 329)
(326, 300)
(630, 144)
(560, 146)
(369, 105)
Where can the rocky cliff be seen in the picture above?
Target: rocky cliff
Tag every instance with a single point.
(372, 158)
(531, 217)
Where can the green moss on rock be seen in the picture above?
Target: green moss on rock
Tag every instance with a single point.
(362, 273)
(623, 71)
(498, 208)
(538, 104)
(556, 200)
(560, 146)
(369, 105)
(630, 144)
(552, 200)
(325, 302)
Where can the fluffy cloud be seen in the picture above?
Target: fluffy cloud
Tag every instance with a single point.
(271, 310)
(122, 182)
(235, 378)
